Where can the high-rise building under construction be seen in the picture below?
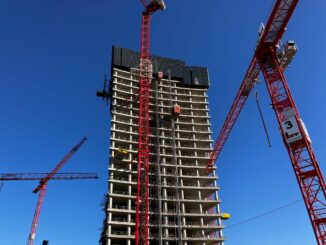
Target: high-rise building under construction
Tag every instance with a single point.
(183, 197)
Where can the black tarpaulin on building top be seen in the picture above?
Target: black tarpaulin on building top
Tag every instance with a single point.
(193, 76)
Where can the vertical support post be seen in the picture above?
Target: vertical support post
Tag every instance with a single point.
(175, 163)
(158, 167)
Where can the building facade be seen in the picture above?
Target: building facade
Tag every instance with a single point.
(184, 204)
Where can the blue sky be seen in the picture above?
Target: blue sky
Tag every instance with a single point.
(54, 55)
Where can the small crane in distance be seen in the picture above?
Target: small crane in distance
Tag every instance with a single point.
(42, 189)
(105, 93)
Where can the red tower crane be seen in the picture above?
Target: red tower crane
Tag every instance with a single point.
(295, 137)
(42, 188)
(141, 235)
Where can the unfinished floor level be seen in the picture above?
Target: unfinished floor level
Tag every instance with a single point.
(184, 203)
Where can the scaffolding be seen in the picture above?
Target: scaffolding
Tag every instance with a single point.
(175, 164)
(158, 168)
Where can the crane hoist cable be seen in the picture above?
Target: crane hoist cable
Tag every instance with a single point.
(262, 118)
(265, 213)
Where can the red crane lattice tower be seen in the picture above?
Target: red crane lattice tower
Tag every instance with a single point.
(293, 131)
(42, 188)
(141, 233)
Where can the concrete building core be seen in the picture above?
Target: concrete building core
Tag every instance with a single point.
(183, 202)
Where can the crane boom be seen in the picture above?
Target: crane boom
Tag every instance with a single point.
(271, 35)
(61, 163)
(40, 176)
(242, 95)
(278, 20)
(293, 131)
(42, 188)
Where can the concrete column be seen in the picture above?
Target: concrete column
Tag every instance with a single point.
(111, 188)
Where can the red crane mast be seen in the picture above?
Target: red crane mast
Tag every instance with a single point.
(141, 234)
(42, 188)
(293, 131)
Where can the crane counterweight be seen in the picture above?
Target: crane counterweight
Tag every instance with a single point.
(285, 53)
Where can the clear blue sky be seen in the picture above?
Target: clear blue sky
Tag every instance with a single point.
(53, 56)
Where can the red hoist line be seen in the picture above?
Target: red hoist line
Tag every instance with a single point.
(293, 131)
(141, 234)
(42, 188)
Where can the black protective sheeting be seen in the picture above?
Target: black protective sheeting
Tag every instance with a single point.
(187, 79)
(116, 56)
(194, 76)
(129, 58)
(199, 76)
